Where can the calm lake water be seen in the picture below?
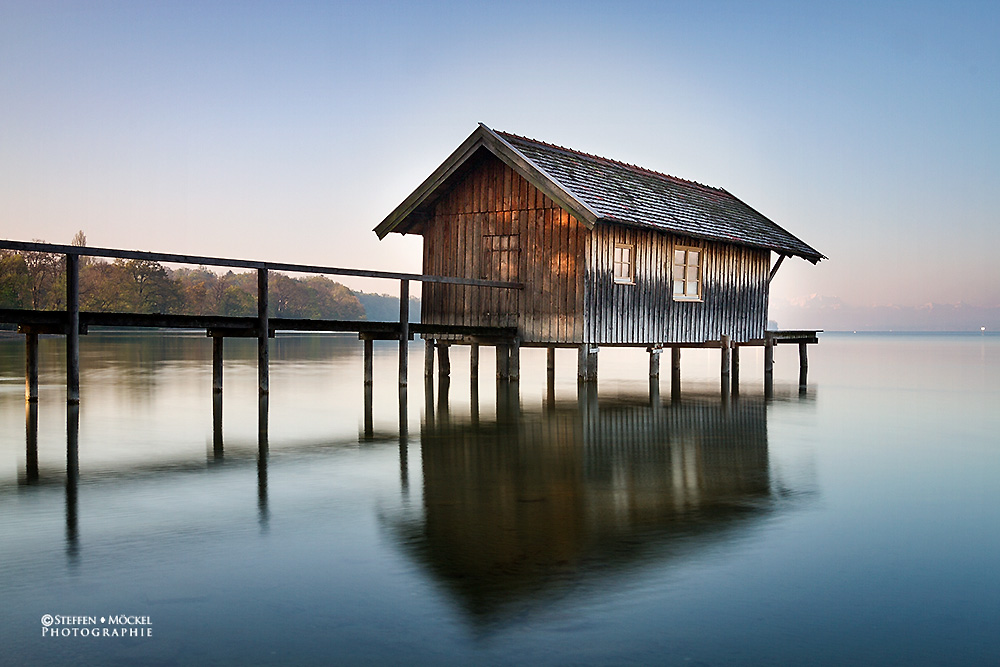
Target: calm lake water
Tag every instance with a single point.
(856, 523)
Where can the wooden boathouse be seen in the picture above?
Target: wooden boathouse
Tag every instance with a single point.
(609, 254)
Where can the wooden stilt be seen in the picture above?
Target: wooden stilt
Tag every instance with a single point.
(803, 365)
(444, 388)
(654, 362)
(429, 345)
(369, 361)
(263, 379)
(736, 370)
(587, 363)
(550, 377)
(474, 361)
(31, 366)
(726, 359)
(72, 329)
(404, 329)
(429, 408)
(503, 362)
(217, 348)
(514, 362)
(768, 366)
(675, 372)
(444, 359)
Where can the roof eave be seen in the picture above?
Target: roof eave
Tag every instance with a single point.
(483, 137)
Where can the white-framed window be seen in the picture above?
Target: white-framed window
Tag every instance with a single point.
(623, 264)
(687, 272)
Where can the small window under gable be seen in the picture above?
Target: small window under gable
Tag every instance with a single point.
(687, 273)
(624, 264)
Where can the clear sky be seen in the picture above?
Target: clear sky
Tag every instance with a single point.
(288, 130)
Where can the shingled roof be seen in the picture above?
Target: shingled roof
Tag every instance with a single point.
(600, 190)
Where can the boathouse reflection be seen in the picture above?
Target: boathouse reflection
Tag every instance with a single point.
(522, 507)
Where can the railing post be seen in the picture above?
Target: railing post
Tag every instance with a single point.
(262, 332)
(72, 328)
(404, 329)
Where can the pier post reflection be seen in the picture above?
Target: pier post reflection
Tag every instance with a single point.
(369, 432)
(262, 455)
(218, 448)
(31, 442)
(72, 477)
(404, 445)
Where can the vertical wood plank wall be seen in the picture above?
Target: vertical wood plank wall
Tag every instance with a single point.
(734, 291)
(495, 225)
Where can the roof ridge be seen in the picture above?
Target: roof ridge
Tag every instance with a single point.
(627, 165)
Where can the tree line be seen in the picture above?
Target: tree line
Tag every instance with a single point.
(37, 280)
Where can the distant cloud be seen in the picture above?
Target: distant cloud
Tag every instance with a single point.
(832, 314)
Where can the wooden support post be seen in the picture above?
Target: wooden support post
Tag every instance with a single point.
(768, 366)
(31, 367)
(550, 376)
(218, 343)
(587, 363)
(369, 361)
(503, 361)
(803, 365)
(724, 342)
(72, 328)
(675, 372)
(736, 370)
(262, 333)
(429, 345)
(514, 361)
(404, 329)
(654, 362)
(444, 360)
(474, 361)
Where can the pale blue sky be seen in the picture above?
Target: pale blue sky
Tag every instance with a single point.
(286, 131)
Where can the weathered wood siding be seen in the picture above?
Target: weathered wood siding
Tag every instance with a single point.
(734, 291)
(495, 225)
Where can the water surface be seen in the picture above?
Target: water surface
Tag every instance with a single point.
(471, 523)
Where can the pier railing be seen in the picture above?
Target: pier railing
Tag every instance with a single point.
(71, 321)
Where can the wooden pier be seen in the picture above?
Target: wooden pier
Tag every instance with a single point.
(72, 322)
(439, 337)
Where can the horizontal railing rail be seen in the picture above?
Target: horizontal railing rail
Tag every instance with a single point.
(201, 260)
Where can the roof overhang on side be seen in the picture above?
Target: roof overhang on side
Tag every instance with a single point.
(416, 208)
